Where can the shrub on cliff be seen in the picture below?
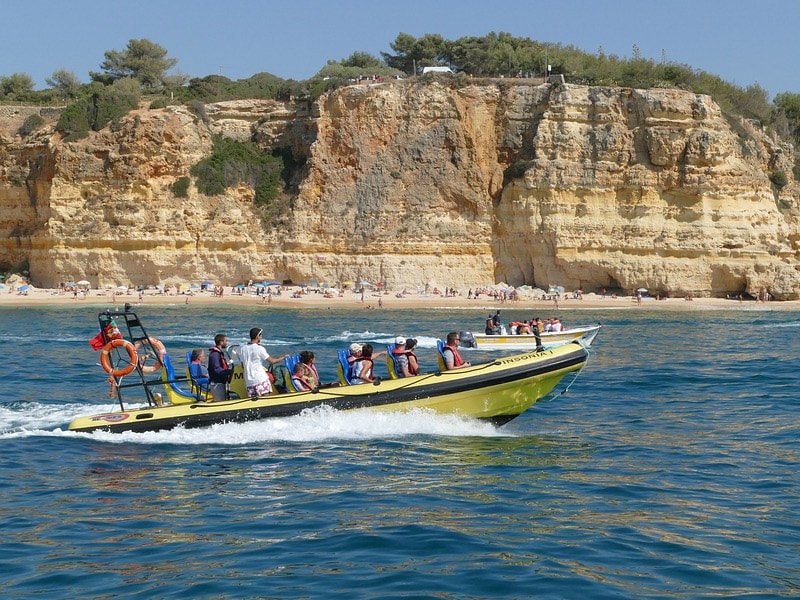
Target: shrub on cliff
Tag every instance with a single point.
(181, 187)
(233, 163)
(102, 105)
(31, 124)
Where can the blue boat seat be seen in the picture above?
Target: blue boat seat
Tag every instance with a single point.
(175, 393)
(391, 363)
(343, 367)
(440, 355)
(199, 382)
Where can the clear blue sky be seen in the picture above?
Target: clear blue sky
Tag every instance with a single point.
(743, 42)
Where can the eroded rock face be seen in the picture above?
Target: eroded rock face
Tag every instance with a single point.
(419, 184)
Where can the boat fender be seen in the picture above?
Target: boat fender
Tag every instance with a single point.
(467, 340)
(105, 361)
(160, 351)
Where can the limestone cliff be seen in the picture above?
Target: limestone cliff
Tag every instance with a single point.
(409, 183)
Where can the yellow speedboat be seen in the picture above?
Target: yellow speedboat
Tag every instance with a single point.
(496, 391)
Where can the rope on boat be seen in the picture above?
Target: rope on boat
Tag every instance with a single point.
(578, 372)
(112, 387)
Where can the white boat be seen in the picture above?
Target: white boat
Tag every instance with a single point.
(547, 339)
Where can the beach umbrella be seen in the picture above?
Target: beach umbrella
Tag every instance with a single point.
(84, 282)
(2, 286)
(302, 285)
(272, 282)
(207, 282)
(313, 284)
(122, 288)
(259, 285)
(642, 290)
(194, 286)
(24, 288)
(347, 283)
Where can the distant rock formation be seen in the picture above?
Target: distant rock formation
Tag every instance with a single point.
(450, 184)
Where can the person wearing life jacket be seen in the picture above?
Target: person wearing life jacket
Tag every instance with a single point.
(361, 370)
(401, 357)
(301, 382)
(310, 373)
(413, 363)
(452, 359)
(219, 371)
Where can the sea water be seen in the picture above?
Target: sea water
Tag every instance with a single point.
(668, 470)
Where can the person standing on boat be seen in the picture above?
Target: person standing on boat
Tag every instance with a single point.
(219, 371)
(493, 324)
(253, 356)
(452, 358)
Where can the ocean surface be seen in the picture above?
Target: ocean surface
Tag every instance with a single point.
(668, 470)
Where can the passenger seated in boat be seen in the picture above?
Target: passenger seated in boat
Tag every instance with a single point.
(355, 352)
(452, 358)
(413, 363)
(309, 370)
(197, 367)
(362, 370)
(400, 356)
(299, 378)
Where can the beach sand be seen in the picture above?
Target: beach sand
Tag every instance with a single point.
(371, 300)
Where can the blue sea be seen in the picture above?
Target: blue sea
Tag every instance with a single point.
(668, 470)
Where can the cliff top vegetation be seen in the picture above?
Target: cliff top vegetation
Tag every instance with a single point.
(493, 55)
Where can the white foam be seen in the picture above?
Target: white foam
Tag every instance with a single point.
(319, 424)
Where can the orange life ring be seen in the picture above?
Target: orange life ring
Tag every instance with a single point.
(160, 351)
(105, 361)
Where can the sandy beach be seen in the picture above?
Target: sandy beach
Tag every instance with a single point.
(373, 300)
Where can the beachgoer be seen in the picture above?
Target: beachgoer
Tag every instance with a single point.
(253, 356)
(219, 372)
(452, 359)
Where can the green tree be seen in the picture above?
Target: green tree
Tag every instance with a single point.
(142, 59)
(787, 105)
(65, 83)
(411, 52)
(17, 86)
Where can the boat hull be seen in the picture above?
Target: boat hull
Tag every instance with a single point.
(496, 391)
(585, 335)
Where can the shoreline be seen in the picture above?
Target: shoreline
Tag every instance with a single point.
(388, 300)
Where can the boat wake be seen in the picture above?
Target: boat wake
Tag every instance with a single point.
(319, 424)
